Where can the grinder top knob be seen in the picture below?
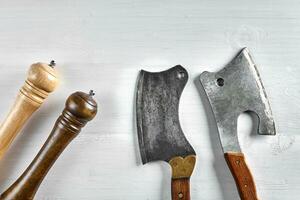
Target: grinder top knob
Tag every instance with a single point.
(82, 106)
(43, 76)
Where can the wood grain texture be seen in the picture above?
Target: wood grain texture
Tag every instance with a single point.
(41, 80)
(80, 108)
(180, 189)
(242, 175)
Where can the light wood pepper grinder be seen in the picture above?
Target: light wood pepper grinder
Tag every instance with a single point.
(42, 79)
(80, 108)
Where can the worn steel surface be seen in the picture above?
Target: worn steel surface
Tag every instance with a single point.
(159, 132)
(235, 89)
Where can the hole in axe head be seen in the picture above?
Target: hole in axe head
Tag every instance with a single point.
(220, 82)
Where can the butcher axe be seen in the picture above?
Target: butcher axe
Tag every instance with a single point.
(159, 132)
(235, 89)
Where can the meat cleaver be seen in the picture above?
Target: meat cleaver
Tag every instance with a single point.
(159, 133)
(235, 89)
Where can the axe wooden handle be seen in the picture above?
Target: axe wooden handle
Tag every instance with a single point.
(42, 79)
(182, 169)
(80, 108)
(242, 175)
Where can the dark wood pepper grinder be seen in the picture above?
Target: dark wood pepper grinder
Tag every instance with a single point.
(80, 108)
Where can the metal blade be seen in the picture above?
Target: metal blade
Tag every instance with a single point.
(159, 132)
(235, 89)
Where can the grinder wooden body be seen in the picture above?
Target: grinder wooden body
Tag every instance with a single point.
(42, 79)
(80, 108)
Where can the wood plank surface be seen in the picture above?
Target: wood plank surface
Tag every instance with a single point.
(102, 45)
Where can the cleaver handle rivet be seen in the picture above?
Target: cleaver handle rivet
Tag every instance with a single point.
(180, 195)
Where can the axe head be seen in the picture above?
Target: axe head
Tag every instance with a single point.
(159, 132)
(235, 89)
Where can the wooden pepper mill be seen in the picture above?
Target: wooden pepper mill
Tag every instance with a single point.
(42, 79)
(80, 108)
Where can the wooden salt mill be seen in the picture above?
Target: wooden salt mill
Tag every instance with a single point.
(42, 79)
(80, 108)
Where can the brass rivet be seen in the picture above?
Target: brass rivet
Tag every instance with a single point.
(237, 162)
(180, 195)
(246, 185)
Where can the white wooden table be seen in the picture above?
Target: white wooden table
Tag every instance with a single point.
(102, 45)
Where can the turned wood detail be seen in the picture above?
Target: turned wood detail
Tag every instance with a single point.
(242, 175)
(42, 79)
(182, 169)
(80, 108)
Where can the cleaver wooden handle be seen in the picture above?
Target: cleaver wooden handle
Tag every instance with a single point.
(180, 189)
(242, 175)
(42, 80)
(80, 108)
(182, 169)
